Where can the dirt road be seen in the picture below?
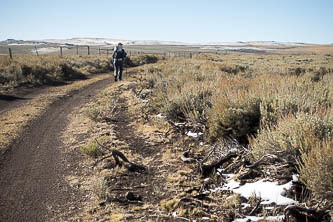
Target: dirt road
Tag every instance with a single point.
(32, 172)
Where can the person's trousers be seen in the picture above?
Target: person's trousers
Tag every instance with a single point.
(118, 70)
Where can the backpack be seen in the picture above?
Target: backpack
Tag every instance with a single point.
(119, 52)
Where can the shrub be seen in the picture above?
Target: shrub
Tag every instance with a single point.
(140, 60)
(92, 113)
(92, 149)
(316, 169)
(319, 74)
(188, 105)
(281, 96)
(292, 135)
(235, 112)
(235, 69)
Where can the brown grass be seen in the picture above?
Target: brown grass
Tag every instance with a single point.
(282, 102)
(47, 69)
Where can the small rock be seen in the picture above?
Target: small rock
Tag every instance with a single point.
(133, 197)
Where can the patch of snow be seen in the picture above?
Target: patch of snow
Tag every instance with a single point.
(47, 50)
(24, 43)
(269, 191)
(258, 43)
(295, 177)
(107, 41)
(160, 116)
(194, 135)
(254, 218)
(245, 205)
(205, 218)
(238, 49)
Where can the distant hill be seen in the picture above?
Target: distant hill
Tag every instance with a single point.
(88, 41)
(108, 41)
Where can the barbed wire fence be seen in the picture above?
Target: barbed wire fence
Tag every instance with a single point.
(67, 50)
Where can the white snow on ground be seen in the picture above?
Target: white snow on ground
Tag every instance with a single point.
(26, 43)
(234, 48)
(194, 135)
(160, 116)
(270, 192)
(258, 43)
(253, 218)
(106, 41)
(47, 50)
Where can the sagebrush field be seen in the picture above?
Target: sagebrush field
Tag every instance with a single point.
(279, 105)
(276, 109)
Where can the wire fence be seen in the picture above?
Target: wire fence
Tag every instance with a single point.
(65, 50)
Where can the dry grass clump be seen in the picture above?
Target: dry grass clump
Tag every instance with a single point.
(236, 110)
(102, 109)
(141, 60)
(281, 96)
(100, 187)
(316, 169)
(182, 89)
(293, 135)
(92, 149)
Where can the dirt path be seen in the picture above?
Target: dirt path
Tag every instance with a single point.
(119, 193)
(32, 172)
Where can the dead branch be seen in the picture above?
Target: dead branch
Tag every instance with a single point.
(253, 211)
(221, 153)
(116, 154)
(298, 213)
(261, 160)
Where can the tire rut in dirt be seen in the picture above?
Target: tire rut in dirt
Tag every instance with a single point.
(142, 184)
(128, 134)
(32, 172)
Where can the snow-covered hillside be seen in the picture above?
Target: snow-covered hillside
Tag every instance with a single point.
(109, 41)
(106, 41)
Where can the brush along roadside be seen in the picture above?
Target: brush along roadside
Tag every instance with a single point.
(282, 118)
(190, 176)
(27, 70)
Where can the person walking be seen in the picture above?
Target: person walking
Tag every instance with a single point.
(118, 56)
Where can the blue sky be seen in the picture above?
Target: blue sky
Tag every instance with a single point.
(192, 21)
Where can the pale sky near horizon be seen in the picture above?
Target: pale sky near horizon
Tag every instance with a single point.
(309, 21)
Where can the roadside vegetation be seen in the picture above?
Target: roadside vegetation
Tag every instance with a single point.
(209, 120)
(50, 70)
(275, 105)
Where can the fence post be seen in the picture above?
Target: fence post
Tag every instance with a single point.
(10, 53)
(88, 50)
(36, 50)
(99, 51)
(60, 50)
(77, 50)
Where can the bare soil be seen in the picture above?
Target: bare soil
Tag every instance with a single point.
(32, 171)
